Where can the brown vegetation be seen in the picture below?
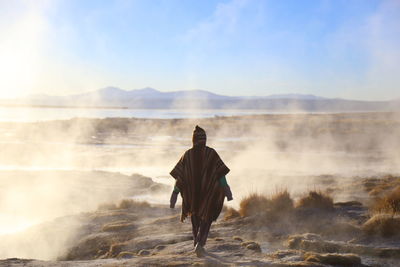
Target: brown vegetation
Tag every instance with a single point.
(382, 225)
(231, 213)
(253, 204)
(281, 202)
(316, 200)
(378, 187)
(277, 204)
(389, 203)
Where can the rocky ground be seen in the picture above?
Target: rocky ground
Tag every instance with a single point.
(131, 233)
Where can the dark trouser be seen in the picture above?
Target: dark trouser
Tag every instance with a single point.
(200, 230)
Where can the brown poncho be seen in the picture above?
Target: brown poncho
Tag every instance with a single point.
(197, 174)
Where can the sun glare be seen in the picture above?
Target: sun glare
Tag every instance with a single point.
(20, 53)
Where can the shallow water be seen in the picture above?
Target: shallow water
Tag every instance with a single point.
(29, 114)
(32, 114)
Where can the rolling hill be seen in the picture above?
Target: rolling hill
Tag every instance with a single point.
(149, 98)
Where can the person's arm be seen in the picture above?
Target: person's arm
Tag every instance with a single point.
(174, 197)
(224, 184)
(176, 189)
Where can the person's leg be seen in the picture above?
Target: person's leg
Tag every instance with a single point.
(195, 228)
(203, 232)
(204, 228)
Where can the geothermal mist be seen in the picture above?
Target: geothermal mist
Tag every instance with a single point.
(264, 153)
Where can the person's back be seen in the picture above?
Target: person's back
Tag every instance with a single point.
(200, 178)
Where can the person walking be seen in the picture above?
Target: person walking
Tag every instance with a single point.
(200, 179)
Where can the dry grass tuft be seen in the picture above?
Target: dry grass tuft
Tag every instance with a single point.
(390, 203)
(274, 206)
(281, 202)
(253, 204)
(382, 225)
(230, 214)
(377, 187)
(316, 200)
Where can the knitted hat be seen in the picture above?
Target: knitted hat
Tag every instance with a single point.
(199, 136)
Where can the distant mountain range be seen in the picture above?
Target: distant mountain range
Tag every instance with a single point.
(149, 98)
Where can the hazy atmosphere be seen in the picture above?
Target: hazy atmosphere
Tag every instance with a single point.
(99, 100)
(346, 49)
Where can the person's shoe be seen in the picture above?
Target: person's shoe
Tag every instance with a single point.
(200, 252)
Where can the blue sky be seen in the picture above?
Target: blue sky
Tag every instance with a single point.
(331, 48)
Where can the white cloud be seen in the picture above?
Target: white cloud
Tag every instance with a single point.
(383, 45)
(223, 22)
(364, 55)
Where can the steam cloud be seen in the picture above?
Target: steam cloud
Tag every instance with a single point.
(265, 153)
